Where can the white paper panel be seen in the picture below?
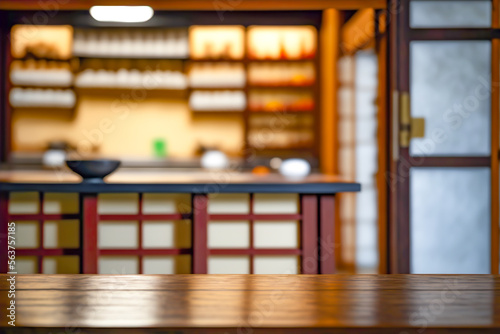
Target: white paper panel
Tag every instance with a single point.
(366, 130)
(228, 265)
(364, 228)
(348, 201)
(118, 235)
(118, 265)
(166, 203)
(272, 234)
(450, 88)
(26, 265)
(228, 234)
(61, 234)
(228, 203)
(23, 202)
(158, 234)
(366, 162)
(345, 101)
(166, 264)
(366, 203)
(118, 204)
(57, 203)
(345, 66)
(27, 234)
(276, 203)
(159, 265)
(366, 244)
(450, 221)
(67, 264)
(267, 264)
(366, 80)
(347, 161)
(450, 14)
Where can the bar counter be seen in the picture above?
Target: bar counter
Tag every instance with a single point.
(393, 304)
(301, 211)
(173, 182)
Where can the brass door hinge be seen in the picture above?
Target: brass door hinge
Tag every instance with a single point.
(408, 127)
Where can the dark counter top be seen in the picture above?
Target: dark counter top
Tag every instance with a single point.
(166, 181)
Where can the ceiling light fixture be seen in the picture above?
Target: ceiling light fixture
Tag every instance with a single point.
(129, 14)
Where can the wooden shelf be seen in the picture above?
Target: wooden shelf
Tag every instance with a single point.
(218, 111)
(281, 86)
(217, 88)
(43, 87)
(281, 60)
(58, 109)
(41, 58)
(221, 60)
(284, 112)
(244, 60)
(129, 57)
(281, 149)
(215, 113)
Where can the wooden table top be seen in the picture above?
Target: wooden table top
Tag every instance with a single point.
(256, 303)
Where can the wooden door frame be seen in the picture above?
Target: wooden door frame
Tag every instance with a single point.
(402, 162)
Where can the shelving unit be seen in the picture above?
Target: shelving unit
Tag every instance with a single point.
(80, 61)
(306, 151)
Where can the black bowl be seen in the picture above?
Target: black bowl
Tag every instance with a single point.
(93, 171)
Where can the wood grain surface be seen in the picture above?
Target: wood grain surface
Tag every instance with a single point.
(254, 303)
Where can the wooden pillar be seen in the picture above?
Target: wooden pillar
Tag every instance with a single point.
(495, 119)
(199, 234)
(383, 148)
(88, 233)
(329, 39)
(326, 240)
(5, 59)
(4, 235)
(309, 228)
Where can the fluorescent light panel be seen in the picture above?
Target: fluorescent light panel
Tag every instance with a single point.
(129, 14)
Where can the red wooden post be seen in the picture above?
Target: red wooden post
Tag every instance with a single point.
(88, 233)
(4, 235)
(41, 223)
(199, 234)
(141, 257)
(309, 234)
(251, 222)
(327, 228)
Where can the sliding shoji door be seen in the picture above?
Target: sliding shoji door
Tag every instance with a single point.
(445, 100)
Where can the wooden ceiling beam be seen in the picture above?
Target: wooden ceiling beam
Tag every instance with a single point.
(223, 5)
(358, 32)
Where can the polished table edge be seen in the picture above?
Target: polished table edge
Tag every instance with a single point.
(414, 279)
(477, 285)
(239, 330)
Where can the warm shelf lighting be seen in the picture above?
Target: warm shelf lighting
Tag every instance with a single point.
(129, 14)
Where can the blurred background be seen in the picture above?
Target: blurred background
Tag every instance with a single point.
(162, 87)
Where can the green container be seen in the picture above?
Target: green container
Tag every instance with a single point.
(160, 148)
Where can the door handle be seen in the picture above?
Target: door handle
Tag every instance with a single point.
(409, 127)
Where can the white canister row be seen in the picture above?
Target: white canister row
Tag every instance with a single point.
(38, 97)
(134, 78)
(217, 101)
(41, 77)
(123, 44)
